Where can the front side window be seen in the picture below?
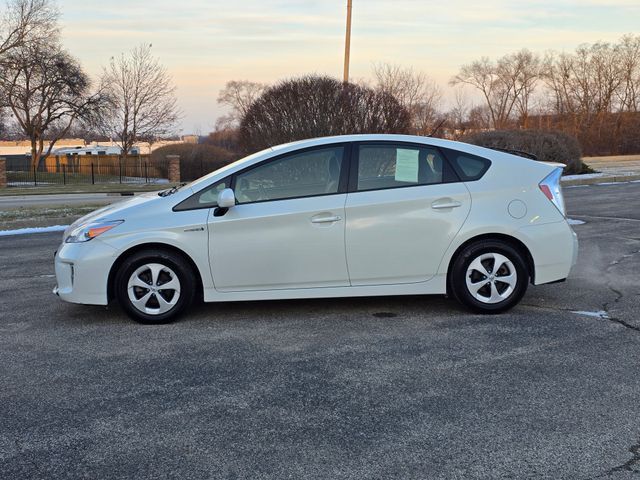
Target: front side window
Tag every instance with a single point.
(393, 166)
(205, 198)
(302, 174)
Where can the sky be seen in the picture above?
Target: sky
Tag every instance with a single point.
(205, 43)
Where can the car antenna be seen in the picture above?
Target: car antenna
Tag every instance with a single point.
(437, 128)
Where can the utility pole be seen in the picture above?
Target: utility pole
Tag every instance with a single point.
(347, 44)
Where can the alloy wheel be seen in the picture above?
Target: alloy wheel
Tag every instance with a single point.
(153, 288)
(491, 278)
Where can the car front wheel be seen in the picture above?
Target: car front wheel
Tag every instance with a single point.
(489, 276)
(155, 286)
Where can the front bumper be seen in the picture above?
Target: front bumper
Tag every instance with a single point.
(82, 272)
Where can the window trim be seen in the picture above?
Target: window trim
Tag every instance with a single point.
(342, 182)
(355, 150)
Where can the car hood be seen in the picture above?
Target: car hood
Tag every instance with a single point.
(115, 211)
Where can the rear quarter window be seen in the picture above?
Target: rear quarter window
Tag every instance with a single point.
(468, 167)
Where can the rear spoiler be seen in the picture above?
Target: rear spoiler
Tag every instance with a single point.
(520, 153)
(555, 164)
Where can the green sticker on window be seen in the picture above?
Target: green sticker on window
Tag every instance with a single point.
(407, 165)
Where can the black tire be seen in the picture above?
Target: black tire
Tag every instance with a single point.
(486, 299)
(174, 265)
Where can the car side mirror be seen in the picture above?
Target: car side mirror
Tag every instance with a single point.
(226, 198)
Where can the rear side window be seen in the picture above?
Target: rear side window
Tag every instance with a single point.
(397, 165)
(467, 166)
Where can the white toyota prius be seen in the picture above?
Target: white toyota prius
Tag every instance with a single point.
(358, 215)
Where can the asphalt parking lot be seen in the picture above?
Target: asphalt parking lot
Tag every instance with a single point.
(402, 387)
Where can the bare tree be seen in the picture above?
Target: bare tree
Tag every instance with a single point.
(592, 93)
(142, 104)
(406, 85)
(3, 124)
(507, 85)
(481, 74)
(23, 22)
(28, 22)
(458, 115)
(46, 91)
(485, 75)
(588, 92)
(586, 82)
(521, 71)
(629, 94)
(314, 106)
(238, 95)
(480, 118)
(415, 91)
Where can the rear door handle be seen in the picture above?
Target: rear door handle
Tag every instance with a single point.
(445, 203)
(335, 218)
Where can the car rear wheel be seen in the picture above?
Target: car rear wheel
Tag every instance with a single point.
(155, 286)
(489, 276)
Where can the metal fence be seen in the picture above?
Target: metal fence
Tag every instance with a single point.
(86, 169)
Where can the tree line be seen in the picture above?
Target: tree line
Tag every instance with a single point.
(592, 94)
(46, 95)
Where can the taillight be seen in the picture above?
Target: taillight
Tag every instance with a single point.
(552, 189)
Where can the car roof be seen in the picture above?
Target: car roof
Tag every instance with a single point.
(313, 142)
(388, 137)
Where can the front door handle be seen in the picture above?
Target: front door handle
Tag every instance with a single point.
(335, 218)
(445, 203)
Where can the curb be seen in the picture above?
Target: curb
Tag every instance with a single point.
(602, 179)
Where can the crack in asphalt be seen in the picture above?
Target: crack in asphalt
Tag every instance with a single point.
(619, 295)
(608, 305)
(634, 462)
(631, 464)
(619, 321)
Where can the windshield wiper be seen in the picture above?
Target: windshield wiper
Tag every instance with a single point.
(165, 193)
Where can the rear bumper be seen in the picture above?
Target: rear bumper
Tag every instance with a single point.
(82, 271)
(554, 248)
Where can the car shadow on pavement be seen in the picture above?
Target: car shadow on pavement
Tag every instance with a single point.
(278, 310)
(356, 307)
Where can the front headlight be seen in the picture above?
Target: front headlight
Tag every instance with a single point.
(87, 231)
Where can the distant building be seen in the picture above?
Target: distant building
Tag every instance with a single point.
(78, 146)
(94, 150)
(189, 138)
(22, 147)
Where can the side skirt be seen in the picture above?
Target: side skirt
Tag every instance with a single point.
(434, 286)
